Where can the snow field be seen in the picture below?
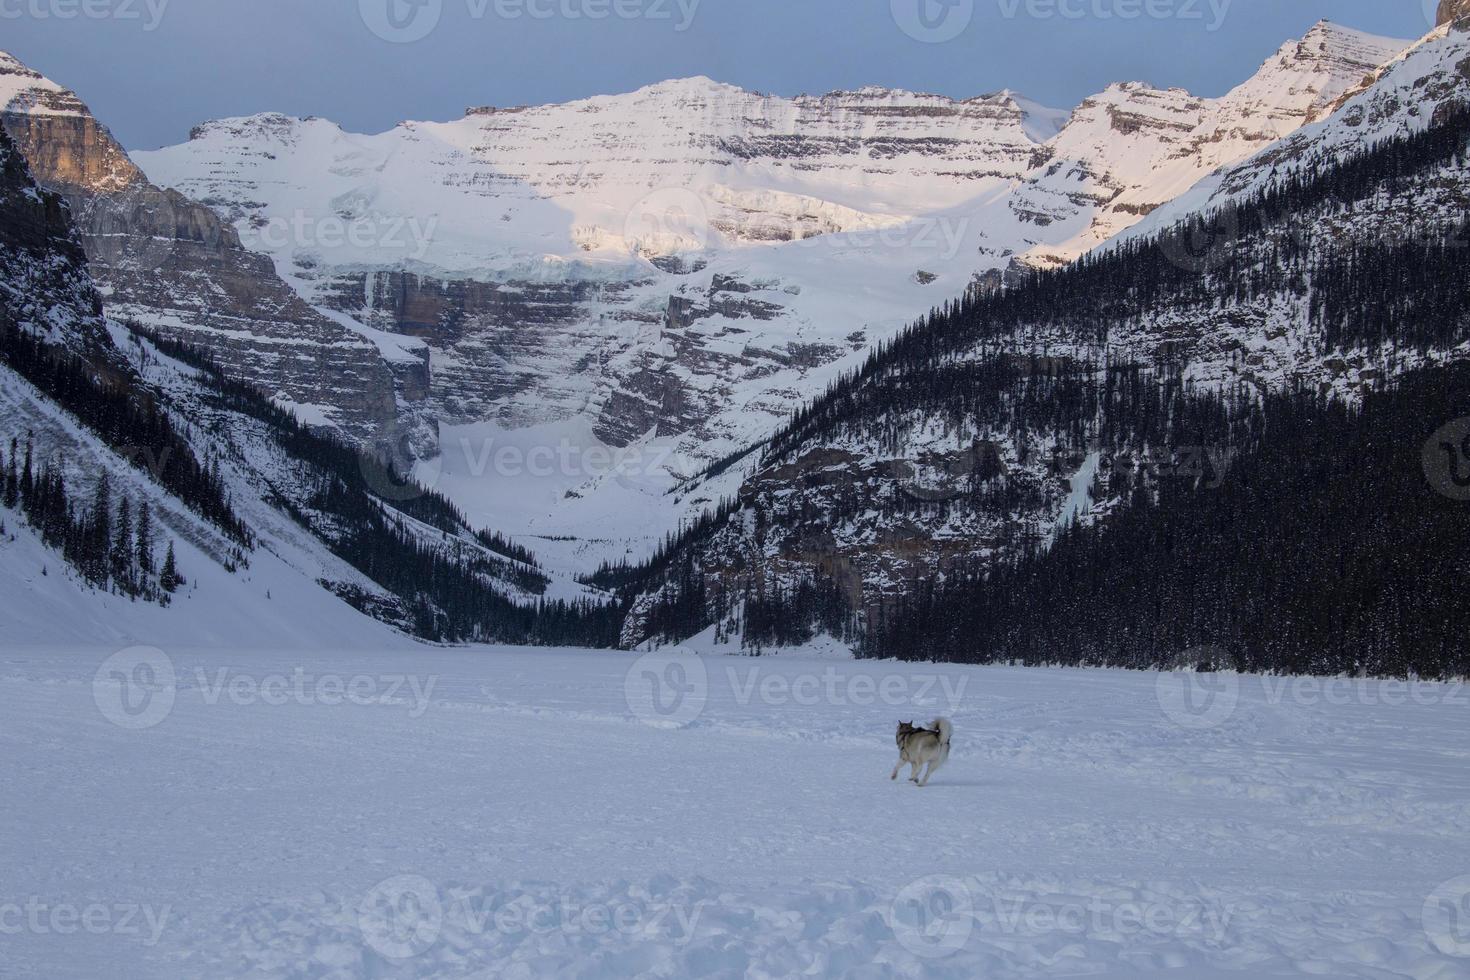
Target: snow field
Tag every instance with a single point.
(419, 812)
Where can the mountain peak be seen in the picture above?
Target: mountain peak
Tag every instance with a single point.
(1305, 78)
(1327, 39)
(67, 148)
(23, 89)
(694, 86)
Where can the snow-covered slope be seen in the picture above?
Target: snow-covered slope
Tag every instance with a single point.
(47, 293)
(1134, 148)
(501, 187)
(1404, 96)
(505, 185)
(98, 423)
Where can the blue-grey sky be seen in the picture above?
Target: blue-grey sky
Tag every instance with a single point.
(151, 69)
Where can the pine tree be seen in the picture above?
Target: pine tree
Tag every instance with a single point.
(10, 491)
(123, 547)
(56, 521)
(26, 472)
(145, 540)
(99, 534)
(169, 579)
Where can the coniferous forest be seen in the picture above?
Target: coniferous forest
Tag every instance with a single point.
(1326, 549)
(445, 582)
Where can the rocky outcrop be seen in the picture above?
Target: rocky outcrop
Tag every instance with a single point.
(36, 224)
(1453, 10)
(44, 285)
(170, 262)
(1133, 148)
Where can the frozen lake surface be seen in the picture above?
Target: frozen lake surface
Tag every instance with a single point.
(517, 813)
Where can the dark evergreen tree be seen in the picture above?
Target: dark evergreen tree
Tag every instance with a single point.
(123, 549)
(144, 549)
(169, 579)
(97, 549)
(10, 479)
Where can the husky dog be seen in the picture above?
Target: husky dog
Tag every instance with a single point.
(920, 746)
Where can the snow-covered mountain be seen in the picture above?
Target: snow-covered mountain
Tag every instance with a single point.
(588, 310)
(280, 535)
(1133, 148)
(1328, 262)
(671, 272)
(161, 258)
(1404, 95)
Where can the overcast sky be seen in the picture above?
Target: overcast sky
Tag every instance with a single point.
(151, 69)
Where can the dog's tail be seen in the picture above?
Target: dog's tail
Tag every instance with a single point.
(945, 728)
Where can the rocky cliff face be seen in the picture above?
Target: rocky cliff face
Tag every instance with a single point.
(1133, 148)
(44, 285)
(686, 264)
(61, 140)
(163, 259)
(1453, 10)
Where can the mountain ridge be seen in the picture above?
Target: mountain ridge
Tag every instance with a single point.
(678, 268)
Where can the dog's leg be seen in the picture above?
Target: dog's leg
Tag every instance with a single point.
(896, 767)
(928, 771)
(914, 772)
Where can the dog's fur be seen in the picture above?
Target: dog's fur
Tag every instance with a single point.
(919, 747)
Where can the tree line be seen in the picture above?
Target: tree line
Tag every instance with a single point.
(105, 543)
